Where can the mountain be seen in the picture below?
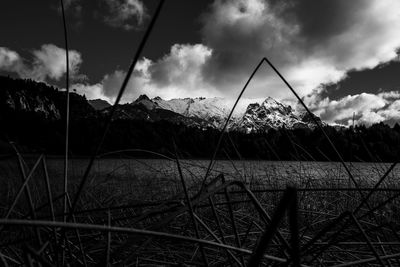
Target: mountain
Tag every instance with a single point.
(15, 97)
(22, 97)
(19, 97)
(214, 110)
(99, 104)
(145, 109)
(247, 117)
(272, 114)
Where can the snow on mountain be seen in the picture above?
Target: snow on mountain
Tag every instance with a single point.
(247, 116)
(271, 115)
(146, 109)
(215, 110)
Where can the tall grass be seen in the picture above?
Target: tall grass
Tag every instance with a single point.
(136, 201)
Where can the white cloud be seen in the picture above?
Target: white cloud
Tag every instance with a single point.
(368, 118)
(367, 108)
(177, 74)
(391, 113)
(390, 95)
(345, 107)
(48, 62)
(180, 73)
(126, 14)
(9, 60)
(94, 91)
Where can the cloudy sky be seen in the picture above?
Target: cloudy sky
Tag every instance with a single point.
(341, 56)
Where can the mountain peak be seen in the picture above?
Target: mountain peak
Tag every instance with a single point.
(271, 102)
(142, 97)
(272, 106)
(271, 114)
(250, 116)
(269, 99)
(146, 102)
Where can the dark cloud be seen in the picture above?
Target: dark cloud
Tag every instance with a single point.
(384, 77)
(126, 14)
(320, 20)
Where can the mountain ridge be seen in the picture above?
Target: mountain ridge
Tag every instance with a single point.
(249, 116)
(269, 114)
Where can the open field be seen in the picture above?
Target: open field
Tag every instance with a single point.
(134, 212)
(133, 176)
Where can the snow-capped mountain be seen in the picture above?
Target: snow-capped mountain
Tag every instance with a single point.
(248, 116)
(271, 114)
(146, 109)
(214, 110)
(202, 113)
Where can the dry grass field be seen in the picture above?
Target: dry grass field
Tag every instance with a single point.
(135, 212)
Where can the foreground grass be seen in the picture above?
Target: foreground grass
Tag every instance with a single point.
(147, 195)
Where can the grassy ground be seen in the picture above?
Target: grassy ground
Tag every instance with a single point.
(148, 195)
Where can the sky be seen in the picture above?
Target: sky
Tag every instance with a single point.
(341, 57)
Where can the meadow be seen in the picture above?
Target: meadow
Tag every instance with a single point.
(174, 224)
